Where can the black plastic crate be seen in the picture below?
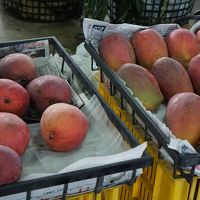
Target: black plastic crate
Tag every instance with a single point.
(95, 172)
(149, 12)
(44, 10)
(141, 119)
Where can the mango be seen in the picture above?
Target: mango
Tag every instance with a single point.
(148, 45)
(143, 84)
(18, 67)
(194, 73)
(10, 165)
(116, 50)
(198, 35)
(182, 45)
(63, 127)
(172, 77)
(182, 116)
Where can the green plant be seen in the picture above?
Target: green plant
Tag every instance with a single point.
(127, 10)
(98, 9)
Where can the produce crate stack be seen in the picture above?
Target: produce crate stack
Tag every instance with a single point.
(111, 180)
(171, 175)
(149, 12)
(44, 11)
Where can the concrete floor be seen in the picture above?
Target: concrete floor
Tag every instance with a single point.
(67, 32)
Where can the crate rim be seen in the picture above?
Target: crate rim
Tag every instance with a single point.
(95, 172)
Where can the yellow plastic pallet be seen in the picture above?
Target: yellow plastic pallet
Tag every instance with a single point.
(88, 196)
(157, 181)
(123, 192)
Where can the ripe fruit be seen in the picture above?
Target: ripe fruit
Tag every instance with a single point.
(143, 84)
(14, 132)
(18, 67)
(116, 50)
(148, 45)
(182, 116)
(194, 73)
(14, 98)
(10, 165)
(63, 127)
(47, 90)
(182, 45)
(172, 77)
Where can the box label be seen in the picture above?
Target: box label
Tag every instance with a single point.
(84, 186)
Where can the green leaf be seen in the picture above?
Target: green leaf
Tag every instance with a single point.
(96, 9)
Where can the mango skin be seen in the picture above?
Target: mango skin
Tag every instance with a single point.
(116, 50)
(143, 84)
(194, 73)
(182, 45)
(198, 35)
(182, 116)
(172, 77)
(148, 45)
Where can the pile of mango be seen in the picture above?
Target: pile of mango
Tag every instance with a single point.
(161, 69)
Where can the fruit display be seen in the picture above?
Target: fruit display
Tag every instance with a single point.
(23, 93)
(172, 61)
(72, 142)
